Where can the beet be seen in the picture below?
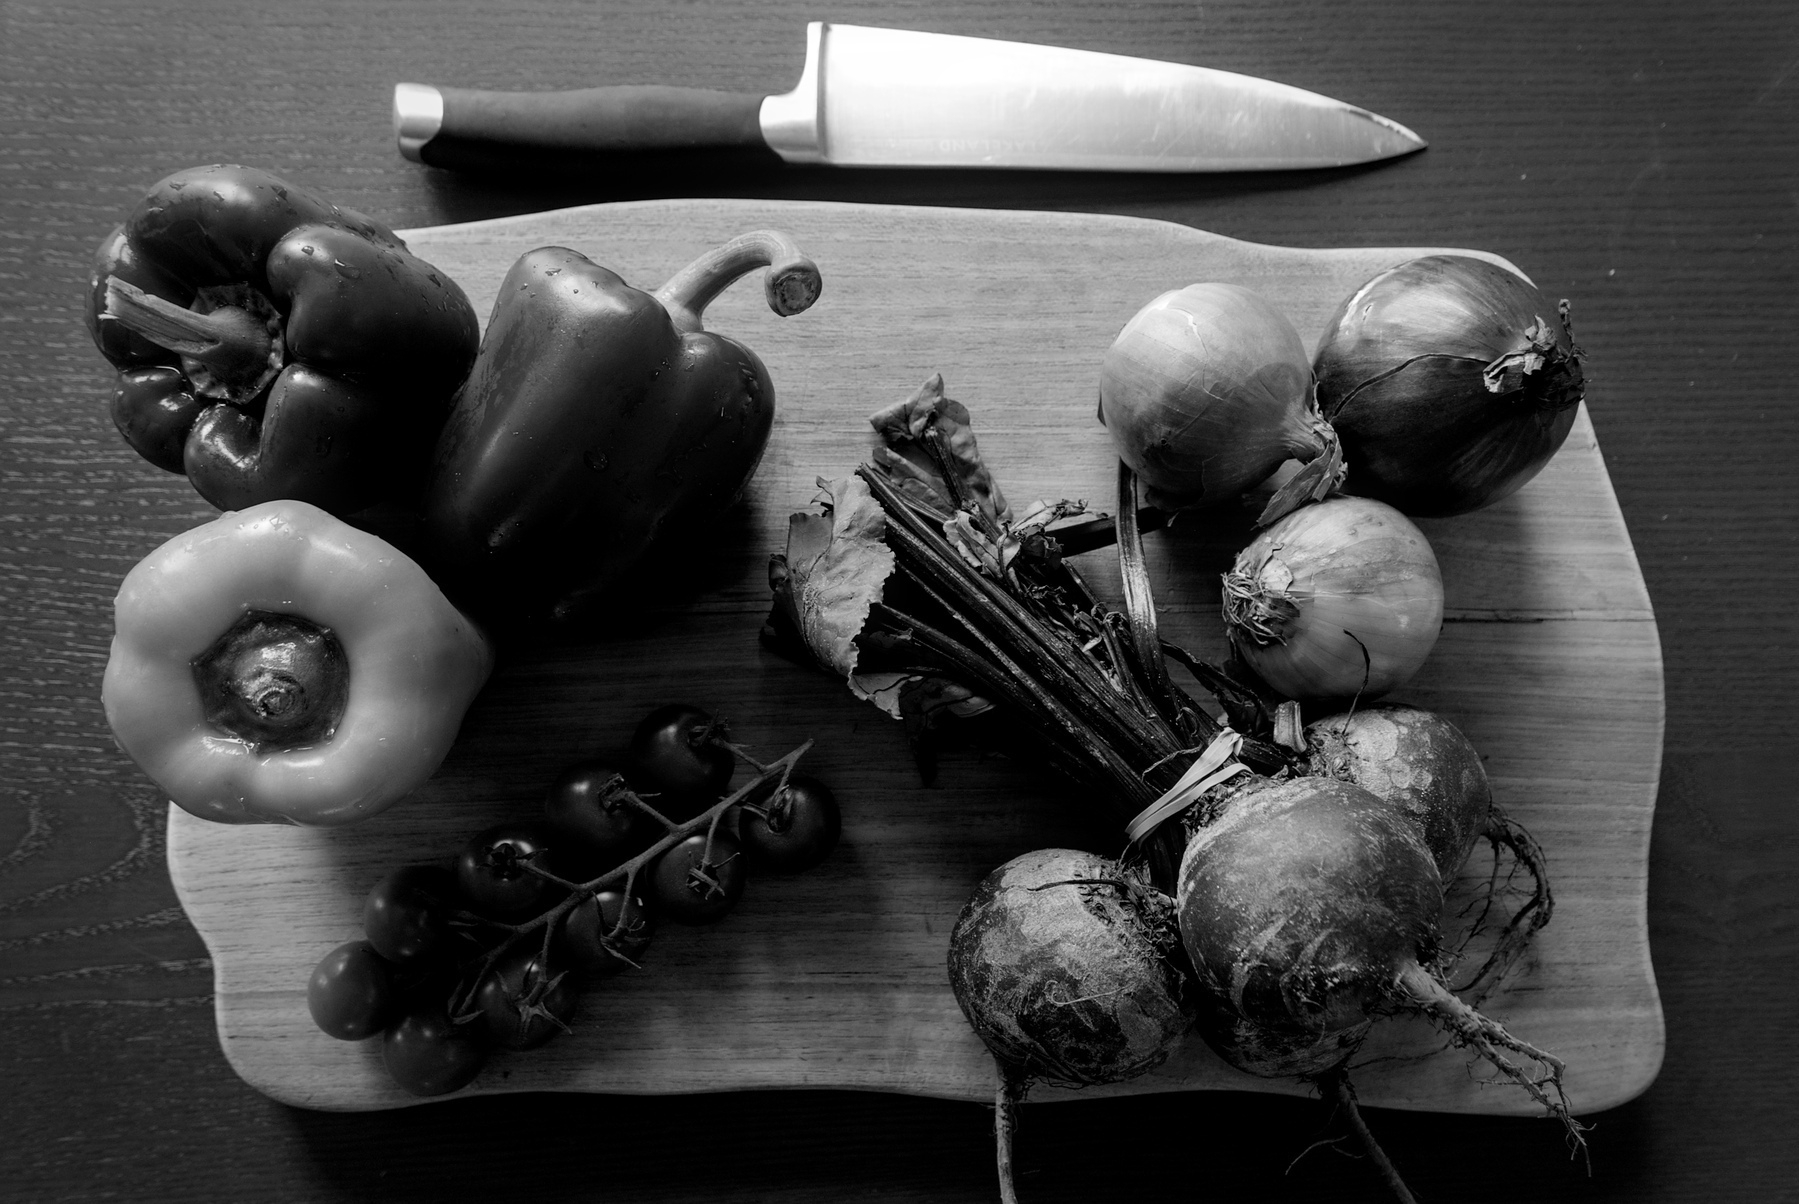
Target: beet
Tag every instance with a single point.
(1421, 764)
(1299, 906)
(1060, 960)
(1413, 760)
(1310, 907)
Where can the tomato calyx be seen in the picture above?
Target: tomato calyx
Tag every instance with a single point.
(606, 933)
(500, 872)
(795, 830)
(681, 756)
(520, 1002)
(777, 812)
(703, 878)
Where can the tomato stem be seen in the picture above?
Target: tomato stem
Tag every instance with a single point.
(743, 754)
(626, 873)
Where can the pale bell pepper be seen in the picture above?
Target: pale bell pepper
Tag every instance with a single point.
(279, 665)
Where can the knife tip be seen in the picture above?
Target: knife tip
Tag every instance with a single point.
(1400, 139)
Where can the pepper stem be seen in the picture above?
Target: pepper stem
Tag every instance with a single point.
(235, 344)
(791, 284)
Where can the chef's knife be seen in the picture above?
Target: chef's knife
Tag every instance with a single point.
(897, 98)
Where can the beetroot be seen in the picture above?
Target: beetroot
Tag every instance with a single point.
(1310, 907)
(1060, 962)
(1299, 907)
(1416, 761)
(1421, 764)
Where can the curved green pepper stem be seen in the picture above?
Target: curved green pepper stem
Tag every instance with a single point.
(791, 284)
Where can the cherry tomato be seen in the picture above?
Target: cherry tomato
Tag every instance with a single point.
(690, 886)
(678, 756)
(794, 830)
(592, 828)
(353, 992)
(428, 1055)
(515, 995)
(586, 929)
(407, 915)
(491, 873)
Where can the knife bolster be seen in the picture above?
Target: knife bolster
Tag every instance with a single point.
(792, 123)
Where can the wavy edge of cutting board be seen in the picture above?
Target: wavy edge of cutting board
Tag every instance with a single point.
(256, 1018)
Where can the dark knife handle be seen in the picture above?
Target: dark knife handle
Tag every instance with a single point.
(619, 119)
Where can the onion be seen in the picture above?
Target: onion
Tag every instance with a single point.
(1206, 391)
(1450, 380)
(1340, 598)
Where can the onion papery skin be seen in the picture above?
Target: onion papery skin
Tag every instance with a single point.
(1402, 375)
(1310, 593)
(1206, 391)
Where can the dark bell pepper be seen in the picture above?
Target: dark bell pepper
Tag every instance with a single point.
(273, 345)
(596, 417)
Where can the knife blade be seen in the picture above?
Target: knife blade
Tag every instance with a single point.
(872, 97)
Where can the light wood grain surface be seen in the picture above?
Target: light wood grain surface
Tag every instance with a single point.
(1549, 661)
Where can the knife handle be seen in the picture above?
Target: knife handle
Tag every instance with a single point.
(622, 118)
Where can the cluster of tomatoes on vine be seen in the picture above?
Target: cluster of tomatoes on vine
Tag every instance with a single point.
(496, 949)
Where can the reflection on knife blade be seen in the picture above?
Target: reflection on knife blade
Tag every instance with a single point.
(897, 98)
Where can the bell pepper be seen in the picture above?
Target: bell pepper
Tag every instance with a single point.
(279, 665)
(270, 344)
(596, 417)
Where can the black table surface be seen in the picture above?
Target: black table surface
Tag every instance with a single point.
(1639, 158)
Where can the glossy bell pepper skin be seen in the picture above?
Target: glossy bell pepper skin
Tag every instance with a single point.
(277, 665)
(598, 416)
(365, 343)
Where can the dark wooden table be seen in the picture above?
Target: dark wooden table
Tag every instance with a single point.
(1641, 159)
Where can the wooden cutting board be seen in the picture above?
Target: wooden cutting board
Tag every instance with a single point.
(1548, 660)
